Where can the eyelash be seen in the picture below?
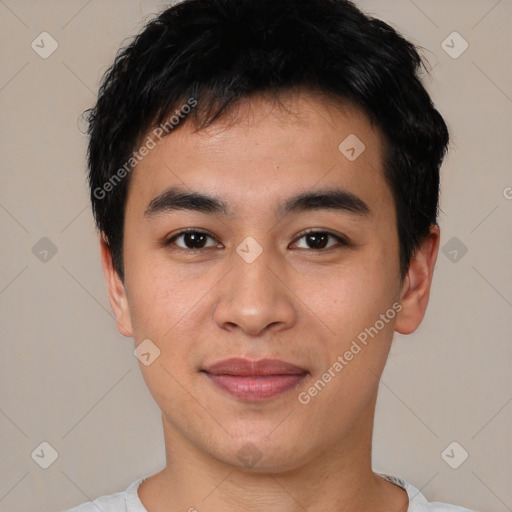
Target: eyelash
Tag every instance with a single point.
(341, 240)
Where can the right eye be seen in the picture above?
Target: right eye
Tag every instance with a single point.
(193, 240)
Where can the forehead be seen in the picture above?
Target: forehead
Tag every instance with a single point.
(265, 147)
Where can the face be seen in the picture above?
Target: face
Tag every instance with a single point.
(291, 253)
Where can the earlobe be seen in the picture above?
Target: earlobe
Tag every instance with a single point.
(416, 287)
(116, 290)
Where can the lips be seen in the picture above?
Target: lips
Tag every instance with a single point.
(245, 367)
(255, 380)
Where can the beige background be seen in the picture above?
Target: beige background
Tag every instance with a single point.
(69, 379)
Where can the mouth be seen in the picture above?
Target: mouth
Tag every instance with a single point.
(255, 380)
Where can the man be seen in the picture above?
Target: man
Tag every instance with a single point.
(264, 176)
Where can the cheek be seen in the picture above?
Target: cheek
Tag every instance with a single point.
(359, 310)
(350, 298)
(166, 308)
(159, 295)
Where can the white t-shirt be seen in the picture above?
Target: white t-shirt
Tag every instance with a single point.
(128, 500)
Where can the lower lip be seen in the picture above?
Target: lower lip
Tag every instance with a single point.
(256, 388)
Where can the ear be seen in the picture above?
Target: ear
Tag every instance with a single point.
(416, 287)
(116, 291)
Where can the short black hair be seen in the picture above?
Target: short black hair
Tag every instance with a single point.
(207, 55)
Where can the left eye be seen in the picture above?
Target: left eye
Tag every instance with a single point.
(319, 239)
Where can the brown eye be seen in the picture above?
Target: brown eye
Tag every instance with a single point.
(319, 240)
(191, 240)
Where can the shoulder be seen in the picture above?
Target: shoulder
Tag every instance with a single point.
(110, 503)
(126, 500)
(418, 502)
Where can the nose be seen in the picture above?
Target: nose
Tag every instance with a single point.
(255, 297)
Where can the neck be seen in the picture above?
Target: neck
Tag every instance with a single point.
(339, 479)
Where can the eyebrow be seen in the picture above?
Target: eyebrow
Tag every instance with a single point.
(176, 198)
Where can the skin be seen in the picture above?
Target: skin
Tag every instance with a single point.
(294, 303)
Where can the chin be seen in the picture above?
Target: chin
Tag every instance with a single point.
(258, 453)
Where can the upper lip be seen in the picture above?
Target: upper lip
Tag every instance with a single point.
(246, 367)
